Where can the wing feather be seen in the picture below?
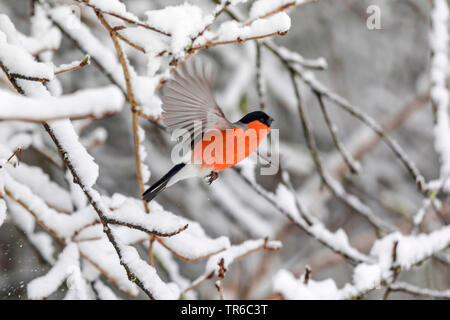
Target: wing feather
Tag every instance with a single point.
(188, 101)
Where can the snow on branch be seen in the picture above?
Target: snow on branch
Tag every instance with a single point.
(19, 63)
(117, 9)
(421, 292)
(439, 37)
(410, 251)
(40, 184)
(103, 256)
(220, 263)
(285, 202)
(60, 225)
(193, 243)
(235, 32)
(132, 215)
(2, 211)
(88, 103)
(100, 54)
(310, 80)
(80, 164)
(42, 287)
(78, 288)
(146, 274)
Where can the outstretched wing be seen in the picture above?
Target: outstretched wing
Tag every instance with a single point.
(189, 104)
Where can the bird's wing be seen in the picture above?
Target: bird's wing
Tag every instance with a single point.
(188, 102)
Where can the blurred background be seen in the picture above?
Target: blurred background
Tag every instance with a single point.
(383, 71)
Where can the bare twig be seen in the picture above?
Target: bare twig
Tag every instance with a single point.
(280, 9)
(259, 78)
(307, 275)
(316, 86)
(332, 185)
(395, 269)
(131, 100)
(352, 165)
(221, 276)
(353, 257)
(16, 153)
(213, 43)
(209, 275)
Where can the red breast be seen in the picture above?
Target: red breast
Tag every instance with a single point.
(221, 149)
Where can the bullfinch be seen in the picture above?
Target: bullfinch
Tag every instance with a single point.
(214, 143)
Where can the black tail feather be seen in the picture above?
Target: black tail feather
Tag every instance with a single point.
(160, 185)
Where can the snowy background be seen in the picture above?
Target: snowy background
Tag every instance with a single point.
(316, 230)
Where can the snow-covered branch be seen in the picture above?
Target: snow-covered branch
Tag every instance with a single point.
(89, 103)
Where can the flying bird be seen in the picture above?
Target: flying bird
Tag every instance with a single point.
(215, 143)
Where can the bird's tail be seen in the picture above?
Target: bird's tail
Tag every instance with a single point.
(161, 184)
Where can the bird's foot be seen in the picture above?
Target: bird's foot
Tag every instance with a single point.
(210, 178)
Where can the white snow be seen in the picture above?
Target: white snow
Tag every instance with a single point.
(2, 211)
(233, 253)
(366, 276)
(78, 288)
(292, 56)
(193, 243)
(44, 286)
(182, 22)
(91, 45)
(113, 6)
(291, 288)
(104, 292)
(43, 242)
(19, 61)
(145, 171)
(170, 265)
(147, 274)
(63, 225)
(338, 240)
(95, 102)
(162, 222)
(82, 161)
(439, 37)
(41, 185)
(411, 249)
(102, 254)
(232, 30)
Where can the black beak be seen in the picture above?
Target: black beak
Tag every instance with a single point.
(269, 121)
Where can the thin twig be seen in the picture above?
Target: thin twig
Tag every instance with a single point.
(259, 77)
(221, 276)
(16, 153)
(328, 181)
(128, 20)
(395, 269)
(279, 9)
(331, 127)
(307, 274)
(212, 43)
(357, 113)
(90, 194)
(82, 64)
(132, 101)
(351, 257)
